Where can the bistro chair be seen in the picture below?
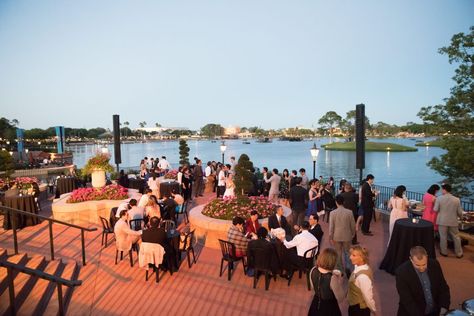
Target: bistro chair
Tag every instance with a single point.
(186, 245)
(113, 219)
(106, 230)
(308, 265)
(167, 224)
(136, 224)
(151, 256)
(183, 210)
(228, 254)
(130, 254)
(261, 260)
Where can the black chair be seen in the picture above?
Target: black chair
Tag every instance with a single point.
(167, 224)
(183, 211)
(229, 255)
(307, 266)
(156, 270)
(187, 246)
(106, 230)
(261, 261)
(130, 254)
(136, 224)
(112, 218)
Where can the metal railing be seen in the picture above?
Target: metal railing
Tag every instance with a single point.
(13, 217)
(36, 273)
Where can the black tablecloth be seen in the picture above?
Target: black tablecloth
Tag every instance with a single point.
(137, 184)
(406, 235)
(167, 187)
(24, 203)
(65, 185)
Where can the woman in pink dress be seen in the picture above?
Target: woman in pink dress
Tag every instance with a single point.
(428, 201)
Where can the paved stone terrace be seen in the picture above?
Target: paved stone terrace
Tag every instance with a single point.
(110, 289)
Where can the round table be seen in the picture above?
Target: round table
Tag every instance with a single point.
(406, 235)
(25, 203)
(166, 187)
(65, 185)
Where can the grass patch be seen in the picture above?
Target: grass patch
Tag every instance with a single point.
(369, 146)
(434, 143)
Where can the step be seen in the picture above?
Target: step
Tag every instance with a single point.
(42, 291)
(70, 272)
(23, 283)
(3, 254)
(18, 259)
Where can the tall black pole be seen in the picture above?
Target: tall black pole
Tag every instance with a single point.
(314, 169)
(223, 158)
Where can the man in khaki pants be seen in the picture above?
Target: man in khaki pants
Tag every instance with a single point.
(341, 232)
(449, 209)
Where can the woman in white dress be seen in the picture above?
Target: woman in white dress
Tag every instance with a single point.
(399, 205)
(154, 185)
(229, 187)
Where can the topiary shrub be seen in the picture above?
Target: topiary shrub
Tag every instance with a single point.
(183, 152)
(243, 175)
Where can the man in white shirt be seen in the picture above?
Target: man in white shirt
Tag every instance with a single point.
(221, 181)
(135, 212)
(121, 207)
(302, 242)
(208, 170)
(125, 236)
(164, 164)
(304, 178)
(233, 163)
(145, 198)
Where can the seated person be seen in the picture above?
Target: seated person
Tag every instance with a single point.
(169, 208)
(122, 206)
(302, 242)
(178, 198)
(152, 209)
(261, 252)
(252, 225)
(278, 220)
(124, 236)
(315, 228)
(123, 179)
(236, 236)
(155, 233)
(144, 199)
(135, 212)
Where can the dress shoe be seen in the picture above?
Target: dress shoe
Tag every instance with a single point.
(459, 257)
(443, 254)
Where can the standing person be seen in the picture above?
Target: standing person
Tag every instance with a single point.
(304, 178)
(221, 181)
(186, 184)
(327, 284)
(421, 286)
(233, 163)
(229, 187)
(313, 195)
(341, 232)
(293, 176)
(298, 200)
(154, 184)
(266, 185)
(429, 200)
(398, 204)
(164, 165)
(209, 178)
(198, 179)
(361, 294)
(316, 229)
(123, 180)
(449, 209)
(367, 198)
(350, 202)
(274, 181)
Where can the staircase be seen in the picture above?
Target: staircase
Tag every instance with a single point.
(35, 294)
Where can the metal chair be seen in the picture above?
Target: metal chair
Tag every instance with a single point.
(229, 255)
(183, 210)
(260, 260)
(187, 246)
(136, 224)
(167, 224)
(106, 230)
(308, 265)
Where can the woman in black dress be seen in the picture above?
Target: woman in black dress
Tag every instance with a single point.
(327, 285)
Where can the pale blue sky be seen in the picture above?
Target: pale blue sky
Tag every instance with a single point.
(187, 63)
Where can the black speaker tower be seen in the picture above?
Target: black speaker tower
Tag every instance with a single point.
(360, 138)
(117, 152)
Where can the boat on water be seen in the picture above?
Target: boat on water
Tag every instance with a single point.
(246, 142)
(291, 138)
(264, 140)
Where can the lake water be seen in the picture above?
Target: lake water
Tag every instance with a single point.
(389, 168)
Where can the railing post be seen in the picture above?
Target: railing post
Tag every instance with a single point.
(60, 298)
(11, 290)
(83, 248)
(15, 238)
(50, 224)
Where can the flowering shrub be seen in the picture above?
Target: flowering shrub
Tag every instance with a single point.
(98, 162)
(228, 208)
(172, 174)
(25, 182)
(109, 192)
(2, 183)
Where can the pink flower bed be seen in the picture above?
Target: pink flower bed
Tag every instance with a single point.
(109, 192)
(228, 208)
(172, 174)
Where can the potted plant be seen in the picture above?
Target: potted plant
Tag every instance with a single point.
(97, 166)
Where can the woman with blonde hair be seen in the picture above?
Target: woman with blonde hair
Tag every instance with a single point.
(360, 295)
(152, 208)
(327, 285)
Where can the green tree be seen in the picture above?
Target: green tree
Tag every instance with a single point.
(7, 130)
(126, 129)
(183, 152)
(6, 162)
(212, 130)
(454, 119)
(330, 120)
(243, 175)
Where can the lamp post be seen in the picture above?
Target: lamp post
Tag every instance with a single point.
(223, 148)
(314, 154)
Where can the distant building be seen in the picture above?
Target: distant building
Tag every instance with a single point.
(232, 130)
(161, 129)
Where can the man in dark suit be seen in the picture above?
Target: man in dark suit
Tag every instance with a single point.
(367, 196)
(155, 234)
(278, 220)
(261, 252)
(298, 202)
(421, 286)
(315, 228)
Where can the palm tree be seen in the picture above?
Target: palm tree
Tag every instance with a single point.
(126, 124)
(15, 122)
(142, 125)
